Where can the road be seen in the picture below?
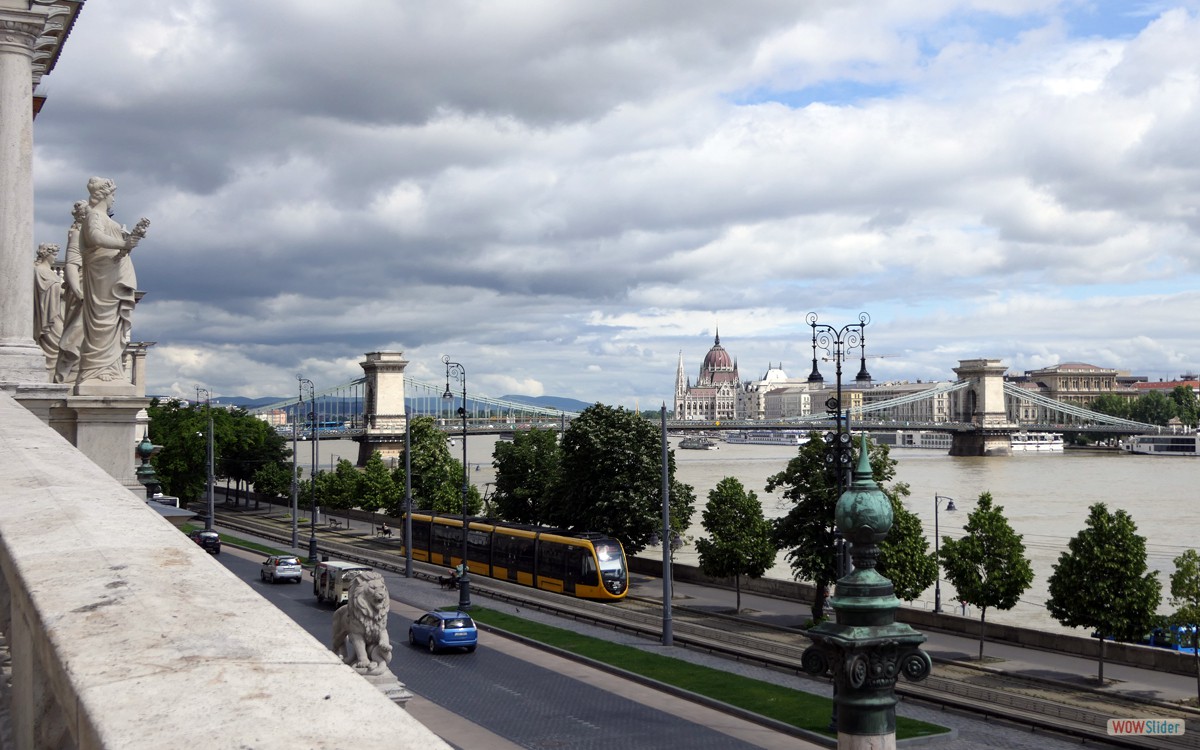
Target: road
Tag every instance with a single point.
(507, 695)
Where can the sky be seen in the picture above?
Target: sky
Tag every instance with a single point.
(566, 197)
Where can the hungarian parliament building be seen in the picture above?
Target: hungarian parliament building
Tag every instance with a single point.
(720, 393)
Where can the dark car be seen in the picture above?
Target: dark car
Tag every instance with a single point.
(209, 540)
(438, 630)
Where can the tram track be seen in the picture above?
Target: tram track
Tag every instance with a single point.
(1039, 705)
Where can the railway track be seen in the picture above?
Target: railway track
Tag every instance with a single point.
(1040, 705)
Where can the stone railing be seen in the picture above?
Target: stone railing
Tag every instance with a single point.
(122, 633)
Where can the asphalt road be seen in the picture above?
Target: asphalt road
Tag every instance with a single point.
(510, 696)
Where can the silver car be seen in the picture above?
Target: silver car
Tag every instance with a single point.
(281, 568)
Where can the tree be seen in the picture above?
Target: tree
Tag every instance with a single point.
(181, 465)
(1187, 407)
(377, 488)
(807, 530)
(343, 486)
(1101, 580)
(273, 480)
(741, 536)
(904, 556)
(987, 566)
(527, 473)
(1152, 408)
(1111, 404)
(611, 479)
(437, 478)
(1185, 595)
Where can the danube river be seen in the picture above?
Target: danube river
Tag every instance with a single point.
(1045, 497)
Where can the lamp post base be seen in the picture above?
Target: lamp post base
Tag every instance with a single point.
(312, 549)
(464, 593)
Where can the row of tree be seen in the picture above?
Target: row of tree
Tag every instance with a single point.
(1153, 407)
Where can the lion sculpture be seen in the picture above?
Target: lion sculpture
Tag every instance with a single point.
(360, 634)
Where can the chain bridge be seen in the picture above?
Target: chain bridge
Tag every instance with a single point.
(981, 407)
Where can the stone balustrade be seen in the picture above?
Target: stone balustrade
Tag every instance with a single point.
(122, 633)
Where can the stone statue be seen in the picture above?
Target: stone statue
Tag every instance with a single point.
(360, 634)
(109, 284)
(47, 303)
(72, 321)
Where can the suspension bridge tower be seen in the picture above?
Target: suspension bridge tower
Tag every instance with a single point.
(982, 404)
(384, 416)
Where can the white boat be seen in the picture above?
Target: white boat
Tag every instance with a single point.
(767, 437)
(1164, 445)
(1037, 442)
(698, 444)
(930, 439)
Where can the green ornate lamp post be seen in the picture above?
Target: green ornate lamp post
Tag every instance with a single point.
(865, 648)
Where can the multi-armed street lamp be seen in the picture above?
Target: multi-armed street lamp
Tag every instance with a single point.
(937, 587)
(460, 375)
(312, 479)
(208, 522)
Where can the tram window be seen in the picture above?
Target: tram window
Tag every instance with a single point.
(609, 554)
(420, 533)
(553, 560)
(586, 565)
(525, 556)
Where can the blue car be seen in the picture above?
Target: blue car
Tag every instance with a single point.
(438, 630)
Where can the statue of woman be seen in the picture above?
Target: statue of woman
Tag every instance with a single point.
(47, 303)
(72, 326)
(109, 284)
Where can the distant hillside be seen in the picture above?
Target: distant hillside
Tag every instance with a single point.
(550, 402)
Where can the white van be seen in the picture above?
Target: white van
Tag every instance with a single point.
(330, 582)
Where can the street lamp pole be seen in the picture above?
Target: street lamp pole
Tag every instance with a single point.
(208, 522)
(937, 586)
(312, 476)
(460, 374)
(295, 480)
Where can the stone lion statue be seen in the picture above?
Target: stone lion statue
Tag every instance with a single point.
(360, 634)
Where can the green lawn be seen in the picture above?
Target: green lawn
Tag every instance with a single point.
(799, 709)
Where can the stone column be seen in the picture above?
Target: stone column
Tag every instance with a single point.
(385, 419)
(19, 355)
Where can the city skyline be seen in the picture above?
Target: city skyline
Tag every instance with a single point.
(565, 198)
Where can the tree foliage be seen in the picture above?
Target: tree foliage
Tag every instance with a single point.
(1111, 404)
(1185, 596)
(378, 490)
(1187, 407)
(987, 566)
(1152, 408)
(273, 480)
(740, 543)
(527, 475)
(437, 478)
(611, 479)
(808, 530)
(1101, 581)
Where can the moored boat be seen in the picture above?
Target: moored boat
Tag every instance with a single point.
(1164, 445)
(766, 437)
(1037, 442)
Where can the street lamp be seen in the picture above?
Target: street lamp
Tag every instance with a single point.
(295, 481)
(937, 587)
(460, 375)
(208, 522)
(837, 342)
(312, 478)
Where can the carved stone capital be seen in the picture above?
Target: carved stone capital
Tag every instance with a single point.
(19, 31)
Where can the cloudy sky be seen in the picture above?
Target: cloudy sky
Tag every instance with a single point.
(564, 196)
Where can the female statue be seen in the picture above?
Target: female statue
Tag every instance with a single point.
(72, 327)
(47, 303)
(109, 284)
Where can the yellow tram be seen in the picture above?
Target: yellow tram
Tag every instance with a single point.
(586, 565)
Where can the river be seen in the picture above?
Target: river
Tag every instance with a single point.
(1045, 498)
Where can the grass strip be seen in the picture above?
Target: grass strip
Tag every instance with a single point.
(793, 707)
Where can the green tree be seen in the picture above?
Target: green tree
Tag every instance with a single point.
(1101, 581)
(437, 478)
(807, 530)
(1187, 408)
(1152, 408)
(987, 566)
(527, 473)
(741, 537)
(1111, 404)
(244, 444)
(273, 480)
(611, 479)
(343, 487)
(378, 490)
(1185, 597)
(181, 465)
(904, 556)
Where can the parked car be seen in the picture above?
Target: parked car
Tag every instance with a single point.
(209, 540)
(437, 630)
(281, 568)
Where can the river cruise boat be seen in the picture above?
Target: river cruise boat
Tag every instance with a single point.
(698, 444)
(1164, 445)
(767, 437)
(1037, 442)
(928, 439)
